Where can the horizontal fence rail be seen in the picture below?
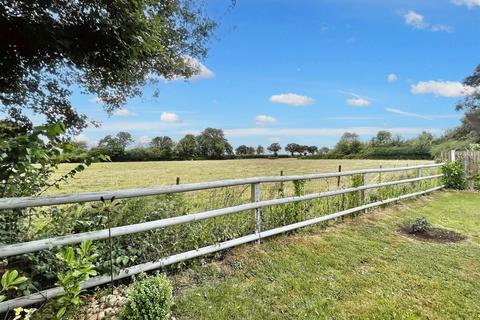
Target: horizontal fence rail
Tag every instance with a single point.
(37, 245)
(26, 202)
(256, 205)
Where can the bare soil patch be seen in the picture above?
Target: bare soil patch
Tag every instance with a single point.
(438, 235)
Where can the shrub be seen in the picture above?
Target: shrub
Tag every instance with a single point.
(420, 225)
(453, 175)
(150, 298)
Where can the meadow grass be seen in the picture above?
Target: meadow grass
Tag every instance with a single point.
(360, 269)
(122, 175)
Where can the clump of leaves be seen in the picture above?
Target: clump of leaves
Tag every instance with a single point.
(420, 225)
(454, 175)
(79, 267)
(150, 298)
(10, 280)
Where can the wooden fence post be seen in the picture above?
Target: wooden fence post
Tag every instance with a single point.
(256, 197)
(452, 155)
(338, 178)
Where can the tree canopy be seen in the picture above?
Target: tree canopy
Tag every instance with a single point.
(106, 48)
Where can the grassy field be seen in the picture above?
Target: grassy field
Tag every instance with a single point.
(121, 175)
(360, 269)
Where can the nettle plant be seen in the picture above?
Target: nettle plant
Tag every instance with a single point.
(454, 175)
(79, 267)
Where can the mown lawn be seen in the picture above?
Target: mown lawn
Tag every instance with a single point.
(360, 269)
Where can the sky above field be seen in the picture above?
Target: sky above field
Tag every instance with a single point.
(307, 71)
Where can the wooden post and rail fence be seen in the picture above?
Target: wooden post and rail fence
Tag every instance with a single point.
(255, 206)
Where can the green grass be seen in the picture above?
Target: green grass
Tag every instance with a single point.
(121, 175)
(360, 269)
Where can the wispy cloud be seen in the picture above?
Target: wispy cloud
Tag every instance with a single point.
(469, 3)
(417, 21)
(292, 99)
(123, 112)
(263, 119)
(448, 89)
(406, 113)
(323, 132)
(422, 116)
(355, 118)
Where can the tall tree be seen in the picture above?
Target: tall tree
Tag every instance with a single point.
(109, 49)
(292, 148)
(163, 144)
(312, 149)
(186, 148)
(471, 102)
(275, 148)
(260, 150)
(349, 144)
(212, 144)
(383, 138)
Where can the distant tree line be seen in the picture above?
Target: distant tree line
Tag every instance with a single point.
(212, 144)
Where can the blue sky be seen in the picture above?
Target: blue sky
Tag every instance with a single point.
(306, 71)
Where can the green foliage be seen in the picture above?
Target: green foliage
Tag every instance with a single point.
(78, 264)
(275, 148)
(10, 280)
(212, 144)
(28, 159)
(420, 225)
(454, 175)
(150, 298)
(354, 199)
(107, 48)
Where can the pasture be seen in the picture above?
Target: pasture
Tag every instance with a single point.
(122, 175)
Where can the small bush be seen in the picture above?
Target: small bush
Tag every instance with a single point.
(150, 298)
(420, 225)
(454, 175)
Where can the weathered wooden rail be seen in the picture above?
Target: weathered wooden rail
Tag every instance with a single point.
(257, 203)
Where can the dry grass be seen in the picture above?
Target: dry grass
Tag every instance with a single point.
(121, 175)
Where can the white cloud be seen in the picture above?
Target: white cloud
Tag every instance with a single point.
(443, 88)
(469, 3)
(406, 113)
(442, 28)
(275, 139)
(170, 117)
(323, 132)
(144, 140)
(202, 71)
(263, 119)
(392, 77)
(292, 99)
(123, 112)
(358, 102)
(415, 20)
